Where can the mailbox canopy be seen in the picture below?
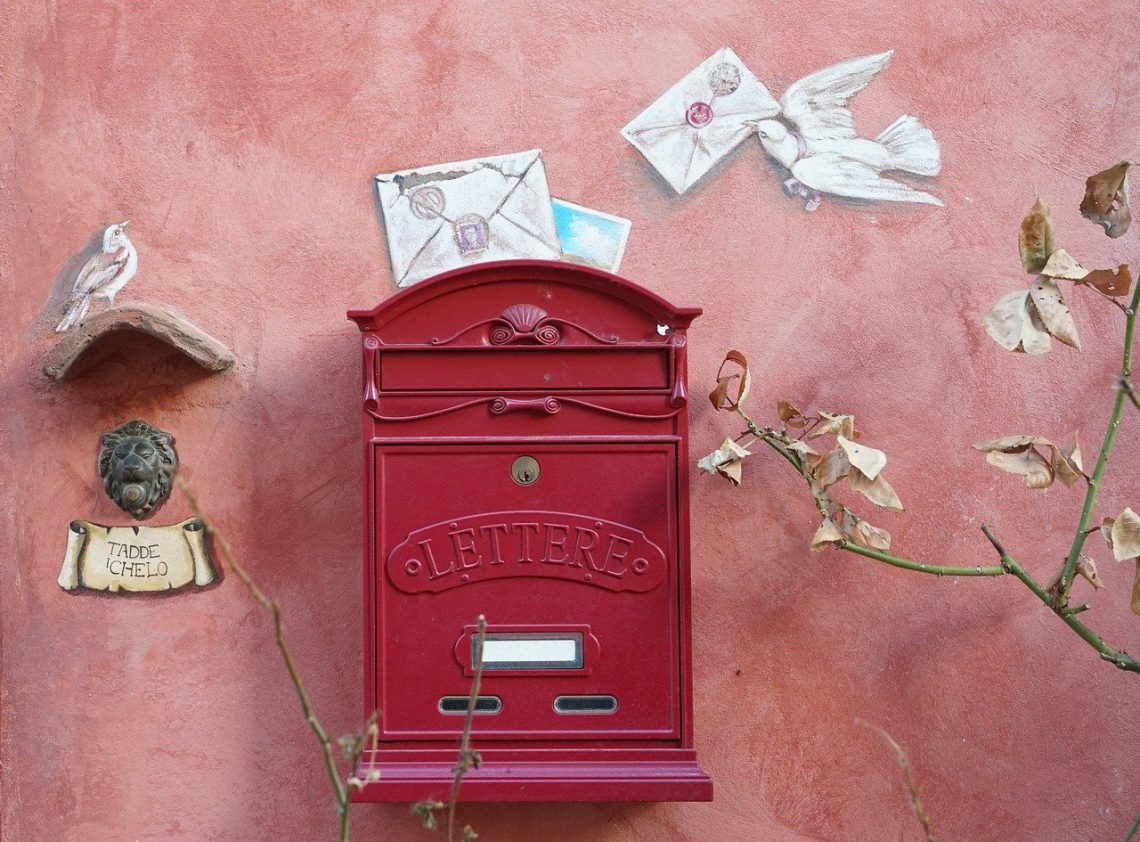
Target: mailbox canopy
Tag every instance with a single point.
(525, 453)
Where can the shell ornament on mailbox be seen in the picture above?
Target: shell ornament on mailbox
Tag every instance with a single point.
(526, 458)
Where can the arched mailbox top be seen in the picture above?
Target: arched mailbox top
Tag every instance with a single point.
(536, 301)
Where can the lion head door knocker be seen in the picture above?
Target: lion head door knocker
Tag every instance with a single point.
(137, 464)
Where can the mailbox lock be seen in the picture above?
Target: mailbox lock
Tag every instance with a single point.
(524, 470)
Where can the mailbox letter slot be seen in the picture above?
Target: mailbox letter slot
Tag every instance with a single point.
(531, 652)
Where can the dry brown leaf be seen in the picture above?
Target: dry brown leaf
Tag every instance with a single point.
(878, 490)
(1110, 281)
(720, 395)
(1028, 463)
(828, 535)
(1054, 312)
(810, 457)
(1015, 324)
(1011, 443)
(1035, 238)
(1086, 568)
(1061, 264)
(833, 467)
(1072, 452)
(1016, 454)
(1106, 200)
(1113, 282)
(1106, 530)
(726, 461)
(835, 425)
(790, 415)
(1136, 590)
(858, 531)
(866, 459)
(1066, 462)
(1126, 535)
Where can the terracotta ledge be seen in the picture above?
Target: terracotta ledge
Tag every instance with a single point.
(158, 322)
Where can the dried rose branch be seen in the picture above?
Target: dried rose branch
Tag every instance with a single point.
(468, 759)
(908, 778)
(1023, 321)
(352, 746)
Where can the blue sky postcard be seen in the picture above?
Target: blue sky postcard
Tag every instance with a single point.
(589, 236)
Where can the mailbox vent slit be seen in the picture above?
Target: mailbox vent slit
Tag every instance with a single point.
(585, 704)
(458, 704)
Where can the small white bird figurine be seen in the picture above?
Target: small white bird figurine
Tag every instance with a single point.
(102, 276)
(818, 143)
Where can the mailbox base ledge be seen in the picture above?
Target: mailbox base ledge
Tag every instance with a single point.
(502, 781)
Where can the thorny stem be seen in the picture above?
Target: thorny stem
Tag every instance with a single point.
(1118, 658)
(467, 758)
(1066, 581)
(778, 441)
(274, 609)
(921, 567)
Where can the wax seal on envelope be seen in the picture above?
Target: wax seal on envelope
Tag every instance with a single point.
(450, 215)
(701, 119)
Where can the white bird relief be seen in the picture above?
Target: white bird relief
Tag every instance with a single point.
(816, 140)
(102, 276)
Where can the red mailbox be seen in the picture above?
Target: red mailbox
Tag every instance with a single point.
(526, 458)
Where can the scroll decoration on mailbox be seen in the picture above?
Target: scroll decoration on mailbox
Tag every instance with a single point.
(526, 458)
(524, 322)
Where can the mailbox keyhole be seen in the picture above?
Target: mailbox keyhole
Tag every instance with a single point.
(524, 470)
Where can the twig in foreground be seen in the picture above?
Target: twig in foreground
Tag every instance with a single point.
(342, 791)
(908, 777)
(468, 759)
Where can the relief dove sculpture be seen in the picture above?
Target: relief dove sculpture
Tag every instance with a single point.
(812, 134)
(102, 276)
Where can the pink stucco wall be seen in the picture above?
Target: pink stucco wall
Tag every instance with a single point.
(240, 140)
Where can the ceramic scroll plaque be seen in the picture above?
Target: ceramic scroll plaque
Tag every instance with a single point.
(136, 558)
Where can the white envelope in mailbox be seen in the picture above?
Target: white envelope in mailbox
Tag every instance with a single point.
(701, 119)
(451, 215)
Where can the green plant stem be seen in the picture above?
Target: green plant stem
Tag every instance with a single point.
(778, 441)
(1120, 659)
(1067, 572)
(921, 567)
(1132, 830)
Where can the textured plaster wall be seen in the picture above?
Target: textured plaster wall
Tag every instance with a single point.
(240, 140)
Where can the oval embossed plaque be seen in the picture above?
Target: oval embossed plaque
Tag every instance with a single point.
(502, 545)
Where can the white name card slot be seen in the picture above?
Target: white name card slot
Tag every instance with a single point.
(505, 651)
